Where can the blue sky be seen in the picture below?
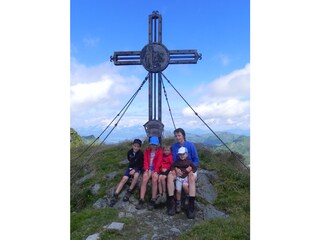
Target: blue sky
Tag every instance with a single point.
(35, 94)
(217, 87)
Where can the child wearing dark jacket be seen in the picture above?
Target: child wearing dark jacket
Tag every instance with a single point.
(135, 158)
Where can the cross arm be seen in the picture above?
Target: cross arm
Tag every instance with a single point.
(184, 56)
(126, 58)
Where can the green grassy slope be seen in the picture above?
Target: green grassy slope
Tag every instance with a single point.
(233, 188)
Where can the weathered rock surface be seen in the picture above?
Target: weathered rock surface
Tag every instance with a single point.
(157, 224)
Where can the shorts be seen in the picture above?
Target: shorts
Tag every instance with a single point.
(126, 173)
(181, 181)
(164, 173)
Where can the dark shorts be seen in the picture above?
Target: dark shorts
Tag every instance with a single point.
(126, 173)
(165, 173)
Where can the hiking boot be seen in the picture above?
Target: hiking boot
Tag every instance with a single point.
(159, 199)
(127, 196)
(190, 210)
(151, 204)
(171, 207)
(186, 201)
(113, 200)
(164, 198)
(140, 204)
(178, 207)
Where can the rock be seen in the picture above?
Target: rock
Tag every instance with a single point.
(81, 180)
(115, 226)
(100, 203)
(111, 175)
(93, 237)
(204, 188)
(95, 189)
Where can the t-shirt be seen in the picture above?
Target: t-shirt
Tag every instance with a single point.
(192, 152)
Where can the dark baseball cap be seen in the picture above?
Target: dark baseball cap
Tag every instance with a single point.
(137, 141)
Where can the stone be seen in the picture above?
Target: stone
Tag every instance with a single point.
(93, 237)
(115, 226)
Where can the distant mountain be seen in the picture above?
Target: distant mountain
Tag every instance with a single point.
(89, 139)
(119, 133)
(75, 139)
(237, 143)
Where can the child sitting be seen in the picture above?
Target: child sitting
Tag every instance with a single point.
(135, 158)
(164, 170)
(183, 167)
(152, 160)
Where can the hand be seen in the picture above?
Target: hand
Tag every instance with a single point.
(178, 172)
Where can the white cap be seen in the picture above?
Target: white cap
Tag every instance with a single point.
(182, 150)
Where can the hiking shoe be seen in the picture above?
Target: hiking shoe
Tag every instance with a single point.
(159, 199)
(113, 200)
(140, 204)
(186, 201)
(127, 196)
(178, 207)
(164, 198)
(171, 207)
(190, 211)
(151, 204)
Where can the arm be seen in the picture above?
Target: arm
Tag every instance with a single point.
(159, 160)
(139, 165)
(193, 154)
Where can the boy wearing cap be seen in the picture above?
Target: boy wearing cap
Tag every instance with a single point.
(151, 168)
(135, 158)
(184, 166)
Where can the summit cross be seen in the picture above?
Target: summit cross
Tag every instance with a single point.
(155, 58)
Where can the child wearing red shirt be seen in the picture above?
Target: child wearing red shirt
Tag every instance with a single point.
(151, 167)
(165, 165)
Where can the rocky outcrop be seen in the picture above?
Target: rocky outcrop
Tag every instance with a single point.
(157, 224)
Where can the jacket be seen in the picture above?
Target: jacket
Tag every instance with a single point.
(157, 160)
(135, 160)
(183, 165)
(166, 162)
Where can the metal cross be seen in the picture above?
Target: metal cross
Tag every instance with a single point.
(155, 58)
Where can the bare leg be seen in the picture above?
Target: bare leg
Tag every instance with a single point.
(164, 183)
(145, 179)
(155, 177)
(186, 188)
(160, 188)
(178, 195)
(134, 181)
(192, 184)
(170, 182)
(121, 184)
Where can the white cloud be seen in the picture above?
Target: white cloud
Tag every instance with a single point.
(235, 84)
(98, 94)
(225, 102)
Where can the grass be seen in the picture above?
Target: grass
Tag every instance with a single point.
(232, 186)
(233, 198)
